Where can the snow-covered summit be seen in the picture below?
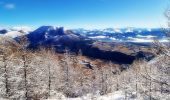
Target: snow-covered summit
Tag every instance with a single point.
(50, 30)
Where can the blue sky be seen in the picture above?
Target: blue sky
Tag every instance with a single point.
(83, 13)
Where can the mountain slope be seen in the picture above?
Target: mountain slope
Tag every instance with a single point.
(49, 36)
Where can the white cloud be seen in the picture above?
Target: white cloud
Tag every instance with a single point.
(23, 28)
(9, 6)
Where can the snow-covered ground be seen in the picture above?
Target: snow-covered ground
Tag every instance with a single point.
(117, 95)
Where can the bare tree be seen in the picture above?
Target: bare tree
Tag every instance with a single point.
(7, 48)
(6, 76)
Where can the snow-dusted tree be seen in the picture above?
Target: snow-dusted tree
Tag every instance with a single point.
(66, 67)
(53, 71)
(4, 60)
(68, 75)
(10, 51)
(116, 73)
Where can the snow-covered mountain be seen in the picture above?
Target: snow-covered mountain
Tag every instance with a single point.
(129, 34)
(56, 37)
(14, 31)
(124, 34)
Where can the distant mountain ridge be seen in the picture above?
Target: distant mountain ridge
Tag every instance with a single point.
(129, 34)
(124, 34)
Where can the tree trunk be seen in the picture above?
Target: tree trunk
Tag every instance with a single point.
(6, 77)
(49, 81)
(25, 76)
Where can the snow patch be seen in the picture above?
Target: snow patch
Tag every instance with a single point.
(149, 29)
(112, 38)
(147, 36)
(129, 30)
(98, 37)
(131, 39)
(118, 31)
(13, 34)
